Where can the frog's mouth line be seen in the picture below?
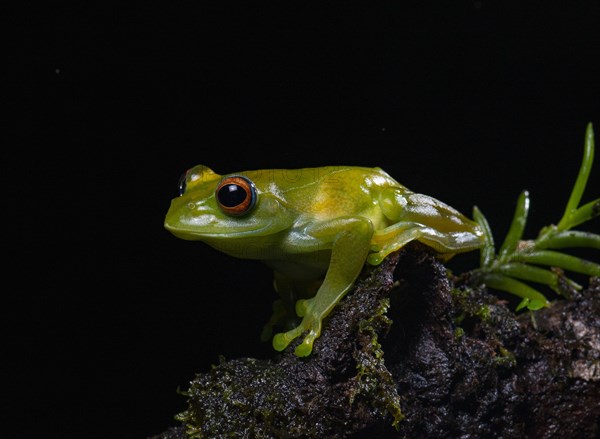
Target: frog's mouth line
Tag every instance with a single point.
(191, 234)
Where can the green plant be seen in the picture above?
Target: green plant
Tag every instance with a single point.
(539, 260)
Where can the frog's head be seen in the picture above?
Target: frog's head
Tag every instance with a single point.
(214, 208)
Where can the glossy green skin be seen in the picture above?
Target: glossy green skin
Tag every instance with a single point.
(316, 228)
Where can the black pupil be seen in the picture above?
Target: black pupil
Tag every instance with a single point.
(231, 195)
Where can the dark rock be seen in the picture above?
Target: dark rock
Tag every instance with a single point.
(458, 363)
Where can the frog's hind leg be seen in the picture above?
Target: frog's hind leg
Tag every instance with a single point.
(397, 235)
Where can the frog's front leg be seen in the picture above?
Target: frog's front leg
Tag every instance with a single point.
(349, 239)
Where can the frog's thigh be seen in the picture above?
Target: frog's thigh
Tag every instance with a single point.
(395, 237)
(349, 238)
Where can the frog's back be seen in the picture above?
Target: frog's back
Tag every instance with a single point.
(350, 176)
(325, 191)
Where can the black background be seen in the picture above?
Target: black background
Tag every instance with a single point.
(106, 312)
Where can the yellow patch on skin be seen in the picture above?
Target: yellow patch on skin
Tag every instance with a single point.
(330, 204)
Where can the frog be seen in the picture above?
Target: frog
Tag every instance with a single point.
(316, 228)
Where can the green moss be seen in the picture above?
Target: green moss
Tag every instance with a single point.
(373, 381)
(483, 313)
(486, 318)
(505, 357)
(233, 392)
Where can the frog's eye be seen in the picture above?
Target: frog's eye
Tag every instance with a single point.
(236, 195)
(182, 183)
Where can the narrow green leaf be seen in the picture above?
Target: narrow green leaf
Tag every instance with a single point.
(582, 178)
(584, 213)
(561, 260)
(534, 299)
(517, 226)
(571, 238)
(522, 304)
(488, 250)
(530, 273)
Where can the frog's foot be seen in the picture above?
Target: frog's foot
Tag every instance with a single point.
(375, 258)
(311, 322)
(379, 253)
